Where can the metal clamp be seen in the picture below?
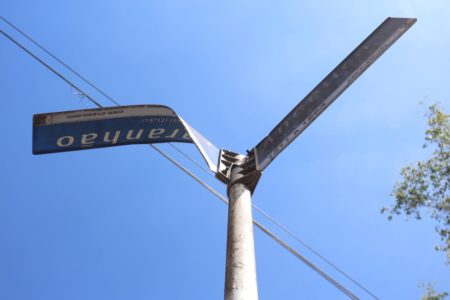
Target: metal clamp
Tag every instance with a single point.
(237, 168)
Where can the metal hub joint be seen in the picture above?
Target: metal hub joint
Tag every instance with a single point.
(237, 168)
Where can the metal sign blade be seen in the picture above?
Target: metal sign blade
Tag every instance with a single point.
(116, 126)
(329, 89)
(209, 152)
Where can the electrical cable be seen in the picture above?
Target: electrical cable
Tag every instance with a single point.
(50, 68)
(189, 158)
(207, 171)
(295, 237)
(58, 60)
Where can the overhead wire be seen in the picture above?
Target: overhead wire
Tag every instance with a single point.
(207, 171)
(50, 68)
(221, 197)
(328, 262)
(59, 60)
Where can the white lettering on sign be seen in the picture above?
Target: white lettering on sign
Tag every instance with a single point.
(136, 137)
(65, 141)
(155, 133)
(174, 133)
(116, 137)
(114, 140)
(88, 139)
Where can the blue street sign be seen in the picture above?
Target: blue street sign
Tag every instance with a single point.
(116, 126)
(106, 127)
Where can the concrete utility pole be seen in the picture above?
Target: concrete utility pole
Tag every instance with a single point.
(240, 277)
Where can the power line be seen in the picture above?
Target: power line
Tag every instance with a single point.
(177, 164)
(58, 60)
(50, 68)
(209, 172)
(328, 262)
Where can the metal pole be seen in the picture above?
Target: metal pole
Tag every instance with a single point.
(240, 277)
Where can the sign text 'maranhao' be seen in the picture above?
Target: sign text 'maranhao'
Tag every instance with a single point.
(106, 127)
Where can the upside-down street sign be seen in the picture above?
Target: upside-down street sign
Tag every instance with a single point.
(116, 126)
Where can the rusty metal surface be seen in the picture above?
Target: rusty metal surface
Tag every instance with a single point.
(329, 89)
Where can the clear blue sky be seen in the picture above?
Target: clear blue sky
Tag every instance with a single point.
(122, 223)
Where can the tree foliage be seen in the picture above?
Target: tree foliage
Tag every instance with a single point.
(431, 294)
(425, 186)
